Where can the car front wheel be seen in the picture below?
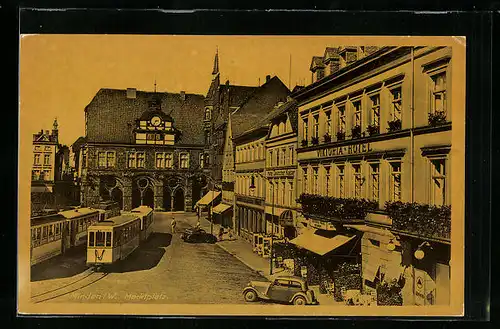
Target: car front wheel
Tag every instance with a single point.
(299, 300)
(250, 296)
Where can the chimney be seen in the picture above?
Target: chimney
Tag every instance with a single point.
(268, 77)
(131, 93)
(183, 95)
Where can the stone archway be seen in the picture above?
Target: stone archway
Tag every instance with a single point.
(148, 198)
(179, 202)
(117, 196)
(167, 196)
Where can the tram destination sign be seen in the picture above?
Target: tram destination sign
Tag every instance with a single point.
(345, 150)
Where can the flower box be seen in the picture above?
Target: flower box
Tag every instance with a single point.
(356, 131)
(373, 130)
(327, 138)
(437, 118)
(335, 209)
(314, 140)
(420, 219)
(340, 135)
(304, 143)
(394, 125)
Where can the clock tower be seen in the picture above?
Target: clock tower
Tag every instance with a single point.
(155, 127)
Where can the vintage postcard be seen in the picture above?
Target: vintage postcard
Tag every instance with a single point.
(241, 175)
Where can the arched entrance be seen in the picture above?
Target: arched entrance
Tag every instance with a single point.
(148, 198)
(286, 220)
(117, 196)
(136, 198)
(197, 186)
(167, 199)
(179, 200)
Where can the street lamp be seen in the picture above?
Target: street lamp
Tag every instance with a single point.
(252, 189)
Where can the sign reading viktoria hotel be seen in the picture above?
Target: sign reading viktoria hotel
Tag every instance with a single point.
(345, 150)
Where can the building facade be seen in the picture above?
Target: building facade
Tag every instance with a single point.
(281, 165)
(143, 148)
(377, 127)
(43, 172)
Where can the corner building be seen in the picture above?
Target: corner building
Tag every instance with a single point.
(143, 148)
(377, 126)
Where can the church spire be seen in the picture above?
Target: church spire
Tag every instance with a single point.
(216, 62)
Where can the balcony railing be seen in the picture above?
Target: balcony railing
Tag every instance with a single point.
(421, 220)
(333, 209)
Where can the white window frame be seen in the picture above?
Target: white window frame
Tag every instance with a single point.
(341, 180)
(357, 180)
(396, 103)
(181, 160)
(341, 113)
(374, 181)
(375, 109)
(442, 92)
(442, 177)
(395, 194)
(358, 112)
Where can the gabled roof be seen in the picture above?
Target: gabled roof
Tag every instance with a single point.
(111, 115)
(258, 105)
(238, 94)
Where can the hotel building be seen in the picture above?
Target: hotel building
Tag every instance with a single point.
(375, 124)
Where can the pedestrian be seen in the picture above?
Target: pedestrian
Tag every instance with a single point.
(221, 232)
(230, 233)
(198, 224)
(173, 224)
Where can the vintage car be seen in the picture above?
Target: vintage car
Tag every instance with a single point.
(197, 235)
(288, 289)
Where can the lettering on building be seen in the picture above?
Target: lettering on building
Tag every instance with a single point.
(345, 150)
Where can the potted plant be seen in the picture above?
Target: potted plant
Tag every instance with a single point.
(373, 129)
(437, 118)
(394, 125)
(304, 143)
(356, 131)
(389, 293)
(340, 135)
(327, 138)
(314, 140)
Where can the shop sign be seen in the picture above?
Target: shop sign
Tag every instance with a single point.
(280, 173)
(321, 225)
(419, 287)
(345, 150)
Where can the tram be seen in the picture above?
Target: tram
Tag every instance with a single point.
(53, 234)
(113, 239)
(146, 214)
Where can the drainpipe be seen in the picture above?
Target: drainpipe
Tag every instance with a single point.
(412, 124)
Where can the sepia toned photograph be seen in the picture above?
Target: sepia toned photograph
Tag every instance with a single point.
(241, 175)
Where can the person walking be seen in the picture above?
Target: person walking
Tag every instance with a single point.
(198, 224)
(221, 232)
(173, 224)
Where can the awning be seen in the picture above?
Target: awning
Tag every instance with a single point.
(370, 270)
(370, 229)
(320, 242)
(41, 189)
(221, 208)
(208, 198)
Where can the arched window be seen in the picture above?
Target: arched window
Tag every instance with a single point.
(208, 114)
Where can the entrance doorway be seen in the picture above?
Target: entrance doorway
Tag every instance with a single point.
(117, 196)
(179, 200)
(136, 198)
(166, 199)
(148, 198)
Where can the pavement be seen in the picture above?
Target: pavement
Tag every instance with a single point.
(242, 250)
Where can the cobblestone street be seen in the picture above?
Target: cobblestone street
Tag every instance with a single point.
(163, 270)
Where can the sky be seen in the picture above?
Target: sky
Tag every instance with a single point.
(60, 74)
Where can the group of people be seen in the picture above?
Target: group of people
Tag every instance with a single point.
(173, 225)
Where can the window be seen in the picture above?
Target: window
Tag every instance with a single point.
(42, 175)
(328, 127)
(327, 180)
(357, 113)
(91, 239)
(100, 239)
(315, 180)
(169, 160)
(37, 159)
(305, 129)
(340, 177)
(305, 188)
(290, 193)
(131, 160)
(184, 160)
(438, 184)
(316, 126)
(208, 114)
(283, 193)
(46, 159)
(395, 181)
(35, 174)
(396, 103)
(136, 159)
(286, 161)
(110, 159)
(439, 93)
(320, 74)
(140, 160)
(108, 239)
(160, 160)
(84, 158)
(202, 160)
(357, 180)
(341, 121)
(374, 181)
(375, 100)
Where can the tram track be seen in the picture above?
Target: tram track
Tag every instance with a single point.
(69, 288)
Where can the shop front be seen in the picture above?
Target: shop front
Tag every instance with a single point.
(224, 214)
(207, 203)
